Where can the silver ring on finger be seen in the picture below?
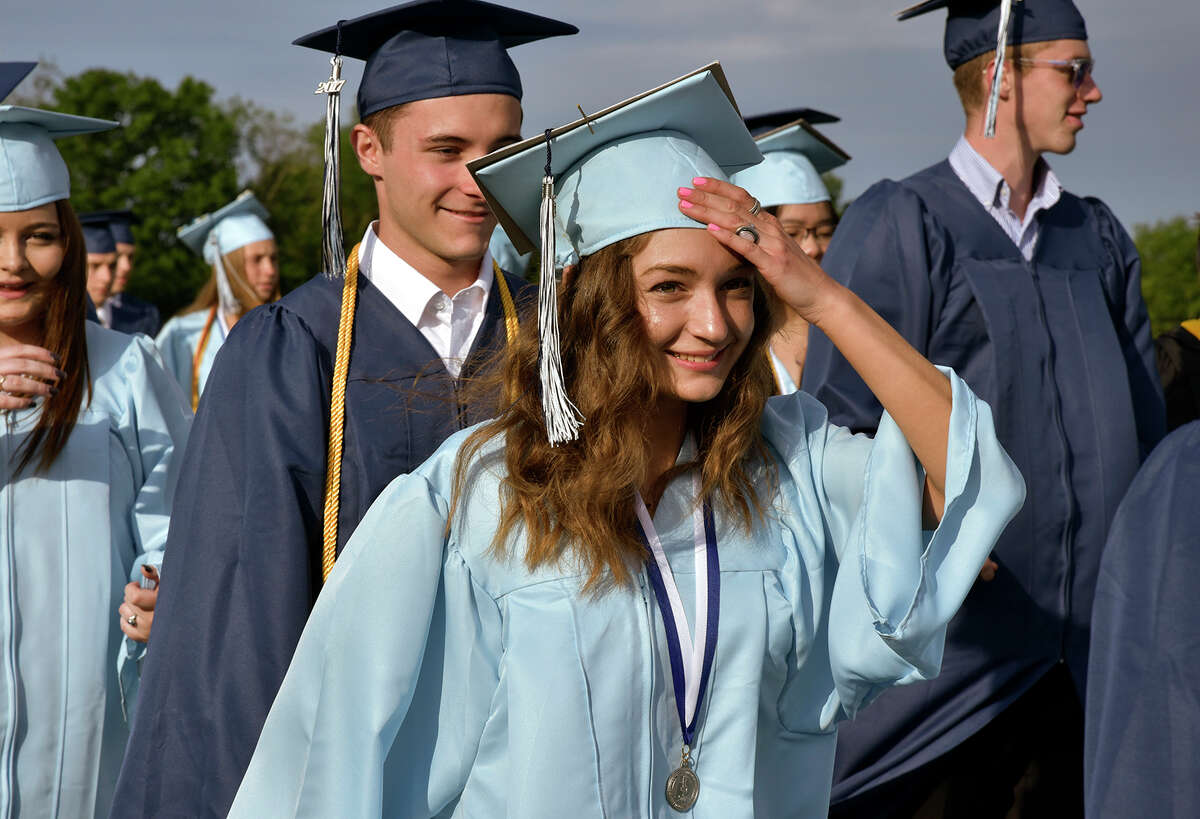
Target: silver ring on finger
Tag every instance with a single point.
(756, 208)
(3, 378)
(748, 232)
(132, 620)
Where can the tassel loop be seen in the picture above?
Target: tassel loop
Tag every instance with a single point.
(563, 419)
(989, 129)
(226, 300)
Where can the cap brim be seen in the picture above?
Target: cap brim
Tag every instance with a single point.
(802, 137)
(56, 125)
(362, 36)
(768, 122)
(510, 178)
(922, 8)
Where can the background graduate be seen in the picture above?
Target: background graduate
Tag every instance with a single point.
(241, 249)
(495, 640)
(91, 426)
(129, 313)
(1143, 708)
(428, 308)
(101, 264)
(985, 263)
(788, 184)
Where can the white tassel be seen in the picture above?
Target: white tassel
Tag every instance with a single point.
(226, 301)
(989, 129)
(563, 419)
(333, 254)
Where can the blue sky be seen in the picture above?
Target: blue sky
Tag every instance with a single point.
(886, 79)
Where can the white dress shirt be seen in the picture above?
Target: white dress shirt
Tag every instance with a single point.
(104, 313)
(449, 323)
(989, 187)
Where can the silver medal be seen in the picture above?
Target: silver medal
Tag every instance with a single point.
(683, 787)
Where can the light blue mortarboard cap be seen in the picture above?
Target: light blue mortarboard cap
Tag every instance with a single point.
(505, 255)
(616, 171)
(32, 171)
(223, 231)
(794, 157)
(605, 178)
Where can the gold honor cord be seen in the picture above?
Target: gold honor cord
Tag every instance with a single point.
(199, 355)
(337, 408)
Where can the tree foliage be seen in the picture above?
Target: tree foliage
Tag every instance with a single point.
(1170, 277)
(172, 159)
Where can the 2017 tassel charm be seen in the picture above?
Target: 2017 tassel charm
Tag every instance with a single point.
(989, 129)
(563, 419)
(333, 254)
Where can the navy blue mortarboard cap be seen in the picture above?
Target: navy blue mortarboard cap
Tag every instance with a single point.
(11, 75)
(120, 223)
(762, 123)
(971, 25)
(434, 48)
(96, 233)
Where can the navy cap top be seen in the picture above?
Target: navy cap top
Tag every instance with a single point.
(120, 223)
(971, 25)
(96, 233)
(11, 75)
(434, 48)
(762, 123)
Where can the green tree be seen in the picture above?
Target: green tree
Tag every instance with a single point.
(1170, 281)
(172, 160)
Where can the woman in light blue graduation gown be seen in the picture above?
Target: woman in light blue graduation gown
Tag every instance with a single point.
(91, 423)
(788, 184)
(440, 675)
(240, 248)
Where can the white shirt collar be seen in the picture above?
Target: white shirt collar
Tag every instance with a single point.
(402, 284)
(989, 186)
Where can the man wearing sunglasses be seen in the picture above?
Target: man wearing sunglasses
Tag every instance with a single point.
(986, 264)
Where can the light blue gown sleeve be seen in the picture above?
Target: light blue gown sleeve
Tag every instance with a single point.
(897, 586)
(395, 671)
(152, 425)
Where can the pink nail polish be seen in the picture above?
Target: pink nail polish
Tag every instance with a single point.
(684, 191)
(714, 228)
(686, 204)
(699, 181)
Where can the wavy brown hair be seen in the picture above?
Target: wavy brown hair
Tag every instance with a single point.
(576, 500)
(235, 271)
(64, 334)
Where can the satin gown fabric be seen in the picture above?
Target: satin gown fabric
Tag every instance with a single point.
(72, 538)
(437, 679)
(1060, 348)
(248, 524)
(1143, 713)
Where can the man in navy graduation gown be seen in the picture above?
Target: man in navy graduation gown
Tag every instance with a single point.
(129, 313)
(244, 550)
(1032, 294)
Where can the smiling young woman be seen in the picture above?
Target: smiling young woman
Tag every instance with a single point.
(90, 425)
(662, 591)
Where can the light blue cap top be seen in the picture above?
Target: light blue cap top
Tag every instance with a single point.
(32, 171)
(505, 255)
(616, 171)
(794, 157)
(223, 231)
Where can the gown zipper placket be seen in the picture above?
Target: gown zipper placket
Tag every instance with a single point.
(10, 704)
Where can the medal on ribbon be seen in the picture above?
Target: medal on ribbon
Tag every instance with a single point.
(691, 662)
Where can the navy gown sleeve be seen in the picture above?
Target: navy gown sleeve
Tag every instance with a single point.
(884, 250)
(237, 581)
(1122, 278)
(1143, 712)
